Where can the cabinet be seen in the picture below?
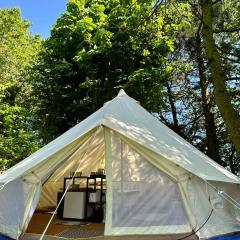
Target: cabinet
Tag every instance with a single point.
(74, 206)
(85, 200)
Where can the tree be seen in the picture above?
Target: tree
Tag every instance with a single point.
(18, 51)
(190, 91)
(95, 48)
(230, 115)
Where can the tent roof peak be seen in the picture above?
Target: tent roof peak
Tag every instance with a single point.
(122, 93)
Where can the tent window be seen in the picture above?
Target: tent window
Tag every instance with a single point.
(141, 194)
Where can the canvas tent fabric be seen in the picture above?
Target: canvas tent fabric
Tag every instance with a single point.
(146, 164)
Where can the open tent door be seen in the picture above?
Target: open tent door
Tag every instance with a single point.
(89, 157)
(141, 199)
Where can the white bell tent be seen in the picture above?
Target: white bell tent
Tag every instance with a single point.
(157, 183)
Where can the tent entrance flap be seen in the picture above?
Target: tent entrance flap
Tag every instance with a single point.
(141, 199)
(93, 144)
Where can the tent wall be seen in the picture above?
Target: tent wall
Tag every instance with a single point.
(18, 202)
(141, 199)
(197, 197)
(203, 198)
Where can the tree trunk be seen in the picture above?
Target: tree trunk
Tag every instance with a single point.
(231, 163)
(175, 127)
(211, 136)
(230, 116)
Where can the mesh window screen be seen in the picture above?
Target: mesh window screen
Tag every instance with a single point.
(142, 195)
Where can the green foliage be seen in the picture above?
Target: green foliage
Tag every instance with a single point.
(18, 51)
(17, 141)
(184, 110)
(97, 47)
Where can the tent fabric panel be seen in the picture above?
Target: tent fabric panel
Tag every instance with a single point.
(48, 197)
(18, 201)
(142, 127)
(195, 195)
(108, 172)
(88, 157)
(151, 230)
(141, 193)
(46, 168)
(141, 196)
(31, 204)
(175, 172)
(203, 198)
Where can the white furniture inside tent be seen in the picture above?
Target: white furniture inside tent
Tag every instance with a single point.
(157, 183)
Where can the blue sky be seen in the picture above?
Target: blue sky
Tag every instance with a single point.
(41, 13)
